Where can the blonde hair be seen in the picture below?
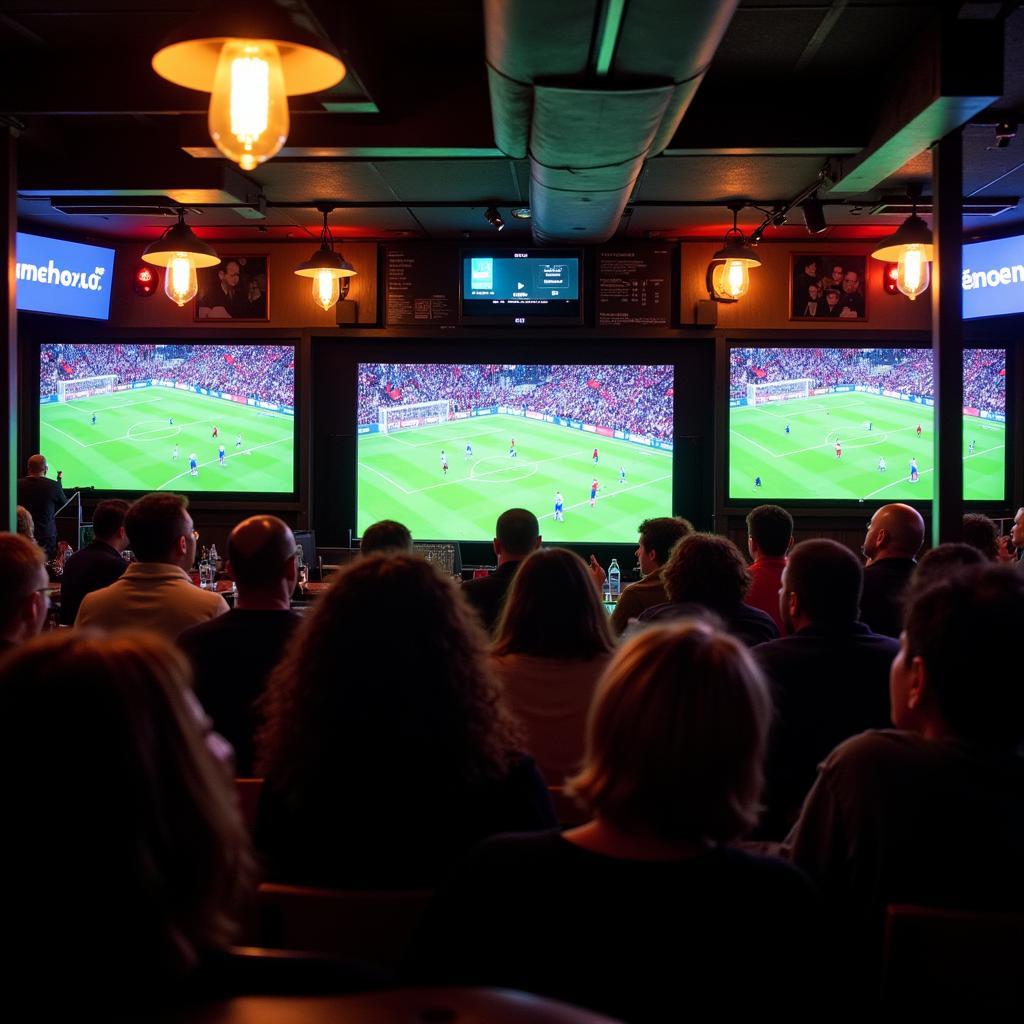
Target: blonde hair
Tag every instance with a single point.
(676, 736)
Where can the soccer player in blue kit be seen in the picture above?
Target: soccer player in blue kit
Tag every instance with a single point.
(193, 465)
(220, 454)
(559, 507)
(469, 451)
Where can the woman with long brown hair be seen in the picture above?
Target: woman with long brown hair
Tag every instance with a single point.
(126, 861)
(553, 642)
(387, 749)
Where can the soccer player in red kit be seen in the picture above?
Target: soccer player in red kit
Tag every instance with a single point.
(216, 432)
(595, 456)
(919, 430)
(839, 450)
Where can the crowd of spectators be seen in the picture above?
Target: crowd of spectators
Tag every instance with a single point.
(263, 372)
(906, 371)
(633, 398)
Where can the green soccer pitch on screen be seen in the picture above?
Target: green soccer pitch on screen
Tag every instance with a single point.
(174, 417)
(446, 448)
(857, 424)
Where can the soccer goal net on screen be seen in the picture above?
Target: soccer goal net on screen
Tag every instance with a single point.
(85, 387)
(778, 391)
(418, 414)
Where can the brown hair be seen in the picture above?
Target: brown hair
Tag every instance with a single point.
(676, 736)
(426, 710)
(154, 523)
(706, 569)
(660, 535)
(121, 823)
(108, 517)
(553, 610)
(981, 532)
(20, 562)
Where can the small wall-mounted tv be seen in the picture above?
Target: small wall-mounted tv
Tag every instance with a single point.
(64, 278)
(196, 418)
(526, 287)
(816, 423)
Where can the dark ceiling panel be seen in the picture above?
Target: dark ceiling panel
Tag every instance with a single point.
(300, 181)
(452, 180)
(715, 177)
(459, 222)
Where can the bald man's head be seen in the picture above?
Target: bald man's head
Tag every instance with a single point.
(895, 531)
(261, 555)
(37, 465)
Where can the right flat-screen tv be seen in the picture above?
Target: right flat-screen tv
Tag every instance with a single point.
(853, 424)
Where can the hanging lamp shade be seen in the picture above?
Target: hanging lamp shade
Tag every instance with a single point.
(913, 231)
(309, 61)
(180, 240)
(326, 259)
(736, 250)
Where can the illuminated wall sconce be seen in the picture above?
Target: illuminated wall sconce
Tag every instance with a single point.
(329, 270)
(181, 253)
(911, 249)
(728, 273)
(250, 57)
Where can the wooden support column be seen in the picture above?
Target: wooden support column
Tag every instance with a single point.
(947, 338)
(9, 337)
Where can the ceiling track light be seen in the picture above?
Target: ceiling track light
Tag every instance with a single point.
(911, 249)
(329, 270)
(181, 253)
(728, 274)
(250, 57)
(493, 218)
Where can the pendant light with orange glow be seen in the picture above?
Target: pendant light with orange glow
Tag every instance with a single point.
(250, 57)
(181, 253)
(911, 249)
(328, 269)
(728, 274)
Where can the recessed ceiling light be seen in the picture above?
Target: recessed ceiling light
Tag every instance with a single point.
(521, 212)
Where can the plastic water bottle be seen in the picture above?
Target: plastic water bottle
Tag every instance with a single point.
(614, 579)
(214, 558)
(205, 570)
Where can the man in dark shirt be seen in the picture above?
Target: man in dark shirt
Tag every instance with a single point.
(830, 676)
(42, 497)
(517, 533)
(98, 564)
(895, 535)
(233, 655)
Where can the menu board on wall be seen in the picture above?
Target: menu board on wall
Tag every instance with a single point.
(633, 286)
(421, 286)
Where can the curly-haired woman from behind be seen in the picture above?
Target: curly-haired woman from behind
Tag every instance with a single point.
(644, 913)
(387, 750)
(553, 642)
(125, 858)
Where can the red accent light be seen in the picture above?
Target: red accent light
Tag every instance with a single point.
(145, 280)
(889, 278)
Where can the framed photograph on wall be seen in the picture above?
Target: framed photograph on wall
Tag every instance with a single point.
(828, 287)
(238, 288)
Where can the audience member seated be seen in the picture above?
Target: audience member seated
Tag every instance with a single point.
(387, 535)
(387, 750)
(657, 539)
(156, 591)
(830, 676)
(517, 533)
(981, 532)
(553, 642)
(1011, 548)
(643, 913)
(232, 655)
(26, 525)
(42, 498)
(125, 859)
(706, 571)
(937, 563)
(895, 535)
(930, 812)
(24, 593)
(98, 564)
(769, 538)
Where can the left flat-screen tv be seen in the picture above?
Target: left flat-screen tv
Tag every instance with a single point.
(63, 278)
(196, 418)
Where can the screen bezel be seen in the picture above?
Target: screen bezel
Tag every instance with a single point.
(847, 505)
(471, 319)
(43, 333)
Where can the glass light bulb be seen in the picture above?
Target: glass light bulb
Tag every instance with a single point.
(913, 272)
(248, 108)
(326, 289)
(180, 281)
(731, 279)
